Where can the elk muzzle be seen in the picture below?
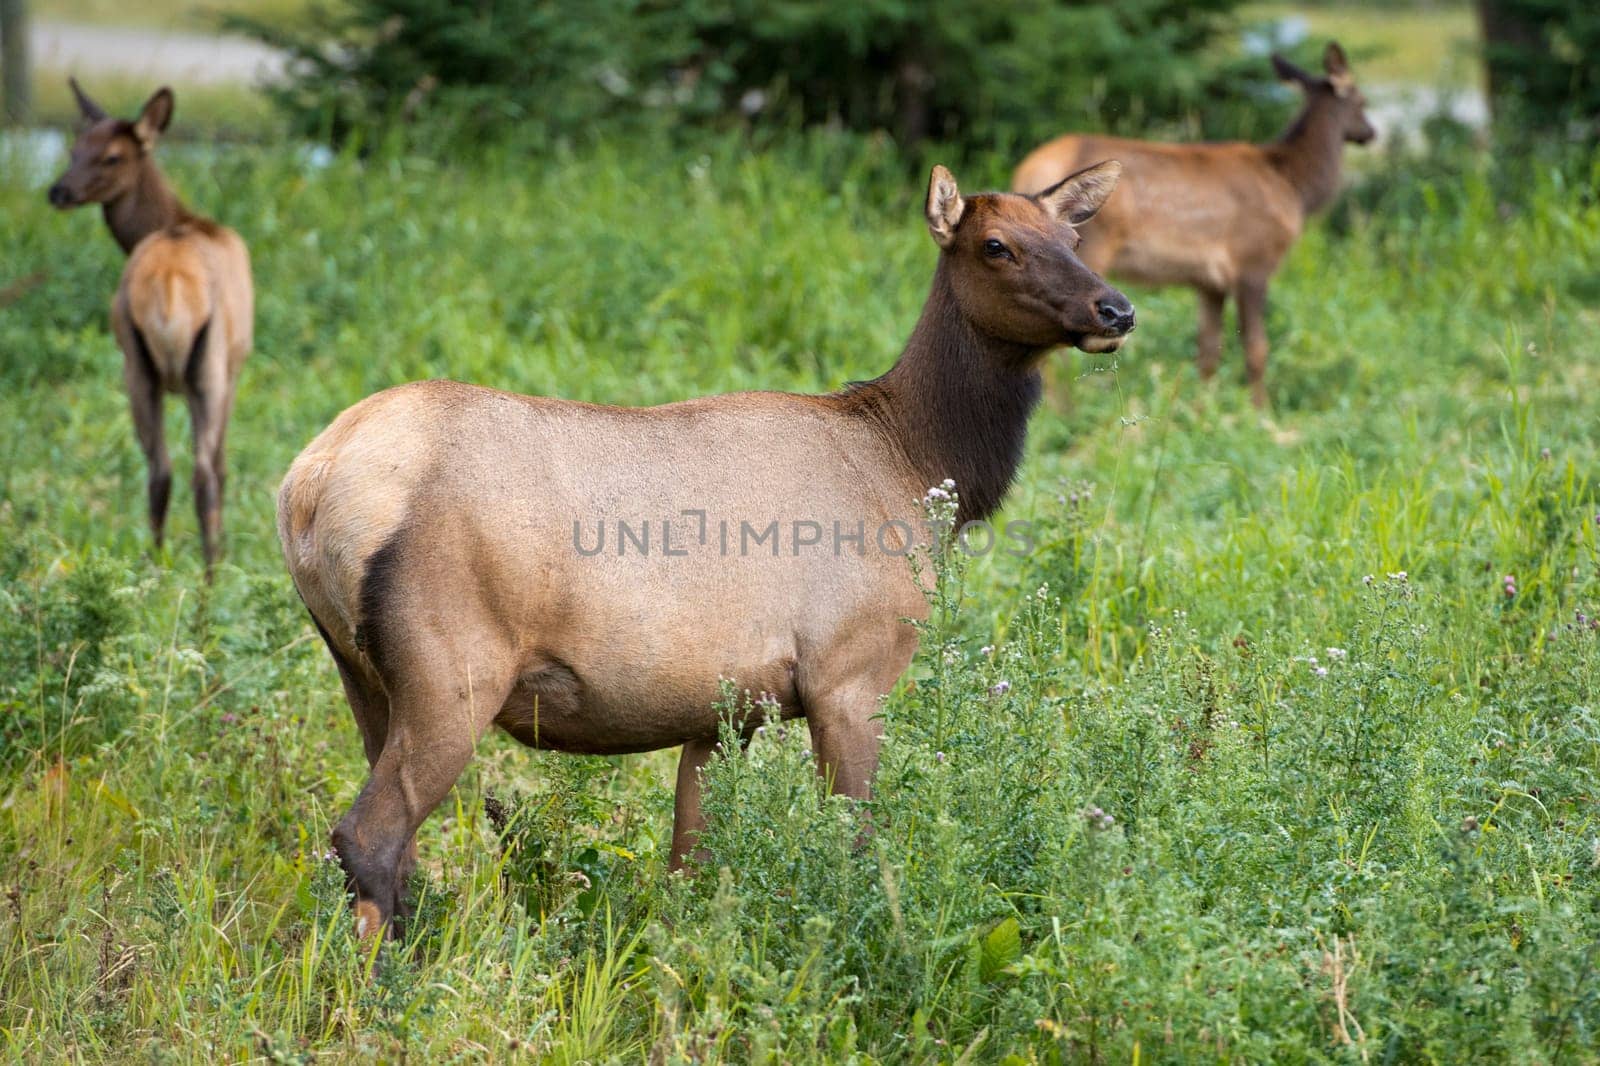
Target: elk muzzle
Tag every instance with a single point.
(1114, 319)
(1115, 313)
(61, 196)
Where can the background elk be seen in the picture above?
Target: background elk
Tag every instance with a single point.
(430, 532)
(183, 313)
(1218, 217)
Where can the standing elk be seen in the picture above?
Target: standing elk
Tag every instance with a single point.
(427, 530)
(183, 313)
(1218, 217)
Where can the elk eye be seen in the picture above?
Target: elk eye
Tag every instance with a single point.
(995, 250)
(111, 160)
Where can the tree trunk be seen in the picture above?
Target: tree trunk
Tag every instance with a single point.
(913, 85)
(16, 91)
(1506, 35)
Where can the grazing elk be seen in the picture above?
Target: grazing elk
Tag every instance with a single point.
(1218, 217)
(183, 313)
(439, 535)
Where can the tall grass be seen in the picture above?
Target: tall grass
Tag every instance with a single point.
(1254, 758)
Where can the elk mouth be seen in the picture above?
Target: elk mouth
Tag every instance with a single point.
(1096, 343)
(1108, 338)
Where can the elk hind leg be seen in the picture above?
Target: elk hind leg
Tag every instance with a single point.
(208, 388)
(434, 723)
(1208, 353)
(1252, 298)
(218, 458)
(369, 706)
(144, 398)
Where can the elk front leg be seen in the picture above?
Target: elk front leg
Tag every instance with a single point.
(845, 737)
(144, 399)
(687, 817)
(846, 742)
(1252, 300)
(1209, 345)
(841, 693)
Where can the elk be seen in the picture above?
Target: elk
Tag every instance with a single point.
(432, 531)
(183, 312)
(1218, 217)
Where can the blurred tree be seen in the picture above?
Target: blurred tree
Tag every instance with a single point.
(486, 64)
(14, 72)
(958, 70)
(979, 73)
(1542, 58)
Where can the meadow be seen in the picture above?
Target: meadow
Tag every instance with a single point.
(1283, 745)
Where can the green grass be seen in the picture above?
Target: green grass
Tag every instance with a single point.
(1395, 860)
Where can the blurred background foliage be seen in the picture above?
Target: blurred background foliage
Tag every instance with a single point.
(1543, 63)
(995, 76)
(975, 74)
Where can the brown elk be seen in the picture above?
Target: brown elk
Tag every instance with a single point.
(183, 312)
(1218, 217)
(433, 531)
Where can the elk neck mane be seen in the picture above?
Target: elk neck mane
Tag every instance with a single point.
(149, 206)
(957, 402)
(1310, 153)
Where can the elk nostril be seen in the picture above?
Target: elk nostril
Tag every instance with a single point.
(1116, 313)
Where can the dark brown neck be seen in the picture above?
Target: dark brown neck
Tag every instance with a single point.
(1310, 153)
(957, 401)
(148, 206)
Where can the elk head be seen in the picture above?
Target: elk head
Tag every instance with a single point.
(109, 152)
(1013, 267)
(1337, 92)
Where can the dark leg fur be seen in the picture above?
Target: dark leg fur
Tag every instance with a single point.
(144, 397)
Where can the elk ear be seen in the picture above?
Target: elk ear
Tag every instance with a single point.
(153, 120)
(1338, 68)
(1333, 59)
(945, 206)
(1288, 71)
(1075, 199)
(91, 111)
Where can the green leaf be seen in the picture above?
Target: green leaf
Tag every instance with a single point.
(1001, 948)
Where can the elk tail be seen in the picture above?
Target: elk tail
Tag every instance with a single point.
(170, 305)
(297, 508)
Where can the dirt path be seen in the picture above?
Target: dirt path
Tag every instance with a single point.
(170, 55)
